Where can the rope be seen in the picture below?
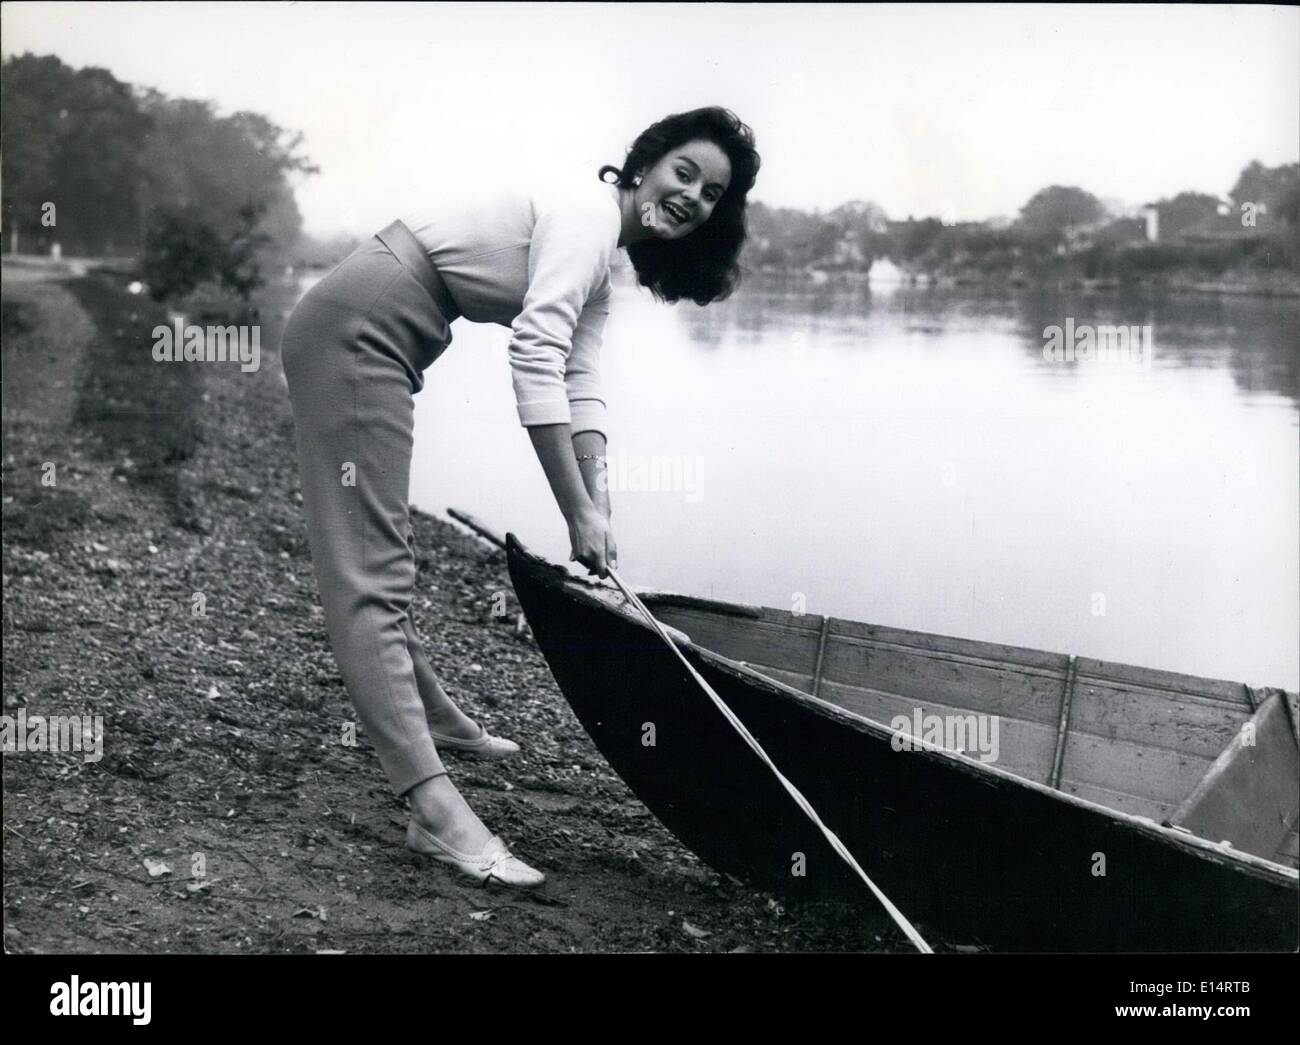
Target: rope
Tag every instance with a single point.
(899, 919)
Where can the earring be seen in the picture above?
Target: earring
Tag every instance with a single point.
(636, 180)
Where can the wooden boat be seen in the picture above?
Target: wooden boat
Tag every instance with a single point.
(1128, 809)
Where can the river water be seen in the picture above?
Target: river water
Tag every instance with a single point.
(909, 457)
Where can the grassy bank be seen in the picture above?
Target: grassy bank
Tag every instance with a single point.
(226, 814)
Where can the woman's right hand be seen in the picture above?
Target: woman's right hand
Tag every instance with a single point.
(592, 541)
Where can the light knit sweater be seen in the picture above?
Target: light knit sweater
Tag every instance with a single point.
(538, 261)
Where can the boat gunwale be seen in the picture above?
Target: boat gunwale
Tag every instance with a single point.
(998, 653)
(601, 596)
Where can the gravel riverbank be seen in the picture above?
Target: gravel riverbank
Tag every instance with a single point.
(225, 813)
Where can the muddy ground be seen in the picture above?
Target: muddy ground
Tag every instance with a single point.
(226, 814)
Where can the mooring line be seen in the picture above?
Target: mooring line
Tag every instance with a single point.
(899, 918)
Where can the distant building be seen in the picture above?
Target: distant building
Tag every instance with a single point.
(1151, 213)
(1082, 236)
(1169, 219)
(1122, 232)
(1227, 225)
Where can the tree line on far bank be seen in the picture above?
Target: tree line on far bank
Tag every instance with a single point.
(1060, 231)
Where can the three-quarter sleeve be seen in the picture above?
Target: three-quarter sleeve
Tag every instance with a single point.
(582, 375)
(555, 340)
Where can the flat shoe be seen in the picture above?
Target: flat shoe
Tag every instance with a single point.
(494, 864)
(486, 746)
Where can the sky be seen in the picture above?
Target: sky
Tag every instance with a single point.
(957, 111)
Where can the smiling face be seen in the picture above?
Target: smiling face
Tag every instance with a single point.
(680, 191)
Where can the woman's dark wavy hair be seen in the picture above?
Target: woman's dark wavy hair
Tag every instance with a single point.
(702, 265)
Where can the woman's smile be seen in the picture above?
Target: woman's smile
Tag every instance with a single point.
(676, 212)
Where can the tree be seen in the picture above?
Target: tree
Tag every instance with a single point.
(257, 161)
(26, 142)
(99, 175)
(863, 228)
(1288, 207)
(911, 240)
(1267, 185)
(72, 138)
(788, 238)
(1059, 209)
(181, 250)
(239, 269)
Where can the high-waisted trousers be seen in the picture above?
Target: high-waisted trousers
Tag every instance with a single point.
(354, 351)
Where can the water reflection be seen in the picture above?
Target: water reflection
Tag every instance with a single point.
(1256, 338)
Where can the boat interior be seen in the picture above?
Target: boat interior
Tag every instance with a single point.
(1217, 759)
